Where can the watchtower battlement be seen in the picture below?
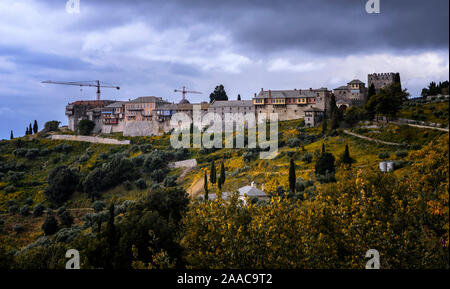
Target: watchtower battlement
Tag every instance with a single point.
(381, 80)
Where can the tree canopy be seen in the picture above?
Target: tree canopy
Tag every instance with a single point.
(218, 94)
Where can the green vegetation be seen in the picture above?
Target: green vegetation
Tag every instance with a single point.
(400, 133)
(434, 89)
(387, 102)
(218, 94)
(153, 223)
(434, 111)
(85, 127)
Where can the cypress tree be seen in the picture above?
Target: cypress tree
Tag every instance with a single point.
(324, 125)
(292, 177)
(239, 97)
(222, 174)
(397, 81)
(35, 126)
(334, 119)
(346, 159)
(12, 135)
(212, 175)
(111, 236)
(372, 91)
(30, 129)
(205, 186)
(27, 132)
(333, 106)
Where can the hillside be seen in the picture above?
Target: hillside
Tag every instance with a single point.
(123, 173)
(430, 111)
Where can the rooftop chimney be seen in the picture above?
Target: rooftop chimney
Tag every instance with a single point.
(270, 93)
(262, 89)
(310, 89)
(255, 94)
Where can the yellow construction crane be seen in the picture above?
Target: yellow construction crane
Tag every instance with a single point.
(90, 83)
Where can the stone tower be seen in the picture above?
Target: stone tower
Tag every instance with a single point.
(381, 80)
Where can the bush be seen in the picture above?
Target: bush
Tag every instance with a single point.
(416, 147)
(293, 142)
(325, 164)
(66, 219)
(326, 178)
(138, 161)
(25, 210)
(29, 201)
(307, 158)
(158, 175)
(83, 158)
(250, 155)
(50, 225)
(383, 155)
(170, 181)
(10, 189)
(13, 209)
(32, 153)
(15, 177)
(401, 153)
(51, 126)
(85, 127)
(67, 235)
(20, 167)
(128, 185)
(38, 210)
(62, 183)
(145, 148)
(399, 164)
(63, 148)
(141, 184)
(103, 156)
(111, 174)
(44, 152)
(21, 152)
(98, 206)
(155, 160)
(18, 228)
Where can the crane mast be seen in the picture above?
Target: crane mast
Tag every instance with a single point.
(184, 91)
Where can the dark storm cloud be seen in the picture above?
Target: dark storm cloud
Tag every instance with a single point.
(35, 60)
(324, 26)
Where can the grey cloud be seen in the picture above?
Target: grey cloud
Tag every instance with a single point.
(320, 26)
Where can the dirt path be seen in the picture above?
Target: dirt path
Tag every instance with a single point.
(371, 139)
(195, 188)
(420, 126)
(91, 139)
(45, 211)
(183, 174)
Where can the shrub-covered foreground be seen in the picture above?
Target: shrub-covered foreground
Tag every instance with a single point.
(405, 218)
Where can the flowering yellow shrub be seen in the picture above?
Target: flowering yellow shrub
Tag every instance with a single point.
(405, 219)
(234, 163)
(291, 133)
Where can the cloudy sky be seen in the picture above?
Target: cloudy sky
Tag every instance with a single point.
(152, 47)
